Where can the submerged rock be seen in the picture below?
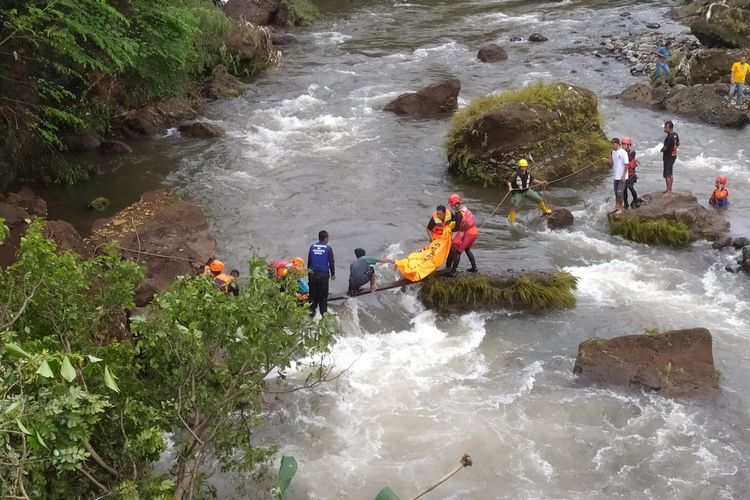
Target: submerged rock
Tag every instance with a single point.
(432, 100)
(534, 291)
(492, 53)
(201, 130)
(81, 142)
(112, 146)
(154, 120)
(675, 221)
(99, 204)
(556, 125)
(559, 219)
(163, 224)
(675, 363)
(537, 37)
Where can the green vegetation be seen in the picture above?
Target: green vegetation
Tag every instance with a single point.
(68, 66)
(536, 292)
(556, 124)
(301, 12)
(87, 402)
(659, 231)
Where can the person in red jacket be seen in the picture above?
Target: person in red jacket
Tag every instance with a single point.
(627, 145)
(464, 234)
(720, 195)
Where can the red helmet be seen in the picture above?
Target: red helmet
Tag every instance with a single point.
(454, 199)
(627, 140)
(722, 179)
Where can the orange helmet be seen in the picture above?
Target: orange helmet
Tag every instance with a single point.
(627, 140)
(298, 263)
(216, 266)
(280, 268)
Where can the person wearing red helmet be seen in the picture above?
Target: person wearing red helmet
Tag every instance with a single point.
(627, 145)
(720, 195)
(463, 236)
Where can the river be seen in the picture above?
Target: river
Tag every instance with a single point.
(307, 149)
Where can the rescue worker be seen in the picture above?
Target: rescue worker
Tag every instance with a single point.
(321, 267)
(464, 236)
(213, 268)
(441, 219)
(227, 283)
(361, 272)
(520, 184)
(720, 195)
(627, 145)
(279, 269)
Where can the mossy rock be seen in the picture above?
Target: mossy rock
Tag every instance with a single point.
(557, 125)
(670, 221)
(298, 13)
(537, 291)
(723, 25)
(99, 204)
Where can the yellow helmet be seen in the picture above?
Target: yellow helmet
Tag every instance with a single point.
(522, 163)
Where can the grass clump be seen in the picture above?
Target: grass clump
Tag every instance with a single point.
(301, 12)
(659, 231)
(556, 124)
(536, 292)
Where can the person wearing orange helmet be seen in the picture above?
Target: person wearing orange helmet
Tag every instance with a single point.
(212, 268)
(720, 195)
(627, 145)
(464, 235)
(227, 283)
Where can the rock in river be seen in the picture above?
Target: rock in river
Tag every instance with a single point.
(554, 125)
(163, 224)
(675, 363)
(669, 220)
(492, 53)
(432, 100)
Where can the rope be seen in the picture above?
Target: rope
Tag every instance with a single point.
(143, 252)
(547, 184)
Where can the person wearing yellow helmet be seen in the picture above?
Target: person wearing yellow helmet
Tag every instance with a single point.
(520, 185)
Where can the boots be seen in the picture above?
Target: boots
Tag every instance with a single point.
(544, 208)
(512, 216)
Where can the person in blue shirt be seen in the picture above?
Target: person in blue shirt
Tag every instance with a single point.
(321, 266)
(662, 54)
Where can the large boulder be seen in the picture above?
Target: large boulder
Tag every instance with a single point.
(532, 291)
(159, 224)
(723, 25)
(673, 220)
(702, 102)
(559, 219)
(154, 120)
(492, 53)
(222, 84)
(675, 363)
(709, 66)
(87, 141)
(66, 237)
(201, 130)
(28, 200)
(708, 104)
(432, 100)
(251, 49)
(275, 12)
(556, 125)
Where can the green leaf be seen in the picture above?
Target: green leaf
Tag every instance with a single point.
(93, 359)
(109, 380)
(44, 370)
(41, 441)
(387, 494)
(12, 406)
(67, 370)
(22, 427)
(287, 470)
(16, 349)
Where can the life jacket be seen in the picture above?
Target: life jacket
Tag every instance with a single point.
(467, 219)
(440, 224)
(222, 282)
(720, 197)
(632, 163)
(521, 181)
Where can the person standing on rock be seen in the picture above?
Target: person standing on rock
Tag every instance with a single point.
(662, 68)
(669, 154)
(464, 235)
(520, 185)
(737, 85)
(619, 173)
(627, 145)
(321, 264)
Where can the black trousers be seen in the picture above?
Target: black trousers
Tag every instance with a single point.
(629, 186)
(318, 282)
(454, 258)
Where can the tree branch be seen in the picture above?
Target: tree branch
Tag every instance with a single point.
(98, 459)
(93, 480)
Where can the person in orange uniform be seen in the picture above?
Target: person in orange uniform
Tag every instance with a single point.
(213, 268)
(464, 236)
(720, 195)
(227, 283)
(441, 219)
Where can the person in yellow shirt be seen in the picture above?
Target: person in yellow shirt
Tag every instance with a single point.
(737, 87)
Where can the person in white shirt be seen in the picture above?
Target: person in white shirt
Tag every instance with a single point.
(619, 173)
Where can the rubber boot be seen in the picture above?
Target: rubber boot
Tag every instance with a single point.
(544, 208)
(512, 216)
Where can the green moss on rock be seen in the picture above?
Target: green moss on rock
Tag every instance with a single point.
(660, 231)
(300, 12)
(532, 291)
(557, 125)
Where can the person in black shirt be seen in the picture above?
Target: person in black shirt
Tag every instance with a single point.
(669, 154)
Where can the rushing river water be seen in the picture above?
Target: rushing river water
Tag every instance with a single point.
(307, 149)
